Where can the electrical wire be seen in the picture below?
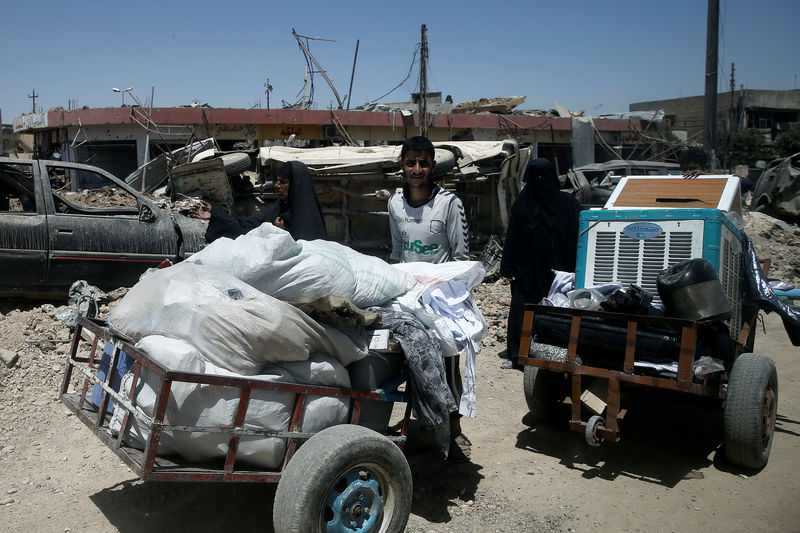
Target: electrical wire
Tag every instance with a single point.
(413, 62)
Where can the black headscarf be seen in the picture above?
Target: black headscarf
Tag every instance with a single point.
(542, 234)
(300, 211)
(538, 202)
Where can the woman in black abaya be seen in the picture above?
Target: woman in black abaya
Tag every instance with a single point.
(542, 236)
(297, 209)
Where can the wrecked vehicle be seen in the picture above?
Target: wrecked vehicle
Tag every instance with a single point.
(354, 183)
(61, 222)
(777, 190)
(593, 184)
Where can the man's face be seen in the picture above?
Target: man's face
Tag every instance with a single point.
(417, 167)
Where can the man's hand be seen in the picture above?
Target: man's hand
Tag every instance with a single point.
(279, 223)
(201, 210)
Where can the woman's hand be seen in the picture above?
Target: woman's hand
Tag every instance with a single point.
(279, 223)
(201, 210)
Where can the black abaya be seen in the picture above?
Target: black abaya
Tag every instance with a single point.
(300, 212)
(542, 236)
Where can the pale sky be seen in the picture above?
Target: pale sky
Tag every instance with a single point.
(583, 54)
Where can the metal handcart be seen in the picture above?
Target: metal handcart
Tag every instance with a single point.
(344, 478)
(748, 391)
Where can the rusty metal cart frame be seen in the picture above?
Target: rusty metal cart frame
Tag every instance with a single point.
(599, 428)
(148, 465)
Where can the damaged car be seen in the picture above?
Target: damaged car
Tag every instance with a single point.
(777, 190)
(61, 222)
(593, 184)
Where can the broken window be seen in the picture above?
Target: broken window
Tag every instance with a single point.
(17, 191)
(89, 192)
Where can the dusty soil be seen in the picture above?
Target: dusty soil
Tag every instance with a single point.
(667, 473)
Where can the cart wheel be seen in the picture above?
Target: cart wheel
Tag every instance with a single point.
(541, 393)
(750, 409)
(591, 430)
(346, 478)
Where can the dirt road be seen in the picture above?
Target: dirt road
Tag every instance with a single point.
(667, 474)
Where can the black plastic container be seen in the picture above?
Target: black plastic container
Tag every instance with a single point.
(692, 290)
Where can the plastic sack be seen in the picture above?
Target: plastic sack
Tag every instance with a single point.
(303, 271)
(707, 365)
(586, 299)
(200, 405)
(230, 323)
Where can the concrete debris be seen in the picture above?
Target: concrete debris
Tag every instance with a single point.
(8, 358)
(489, 105)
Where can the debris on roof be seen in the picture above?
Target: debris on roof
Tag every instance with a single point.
(489, 105)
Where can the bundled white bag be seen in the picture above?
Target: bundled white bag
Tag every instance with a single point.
(210, 406)
(303, 271)
(230, 323)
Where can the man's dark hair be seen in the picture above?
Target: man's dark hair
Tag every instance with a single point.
(418, 143)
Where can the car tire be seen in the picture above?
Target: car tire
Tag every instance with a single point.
(235, 163)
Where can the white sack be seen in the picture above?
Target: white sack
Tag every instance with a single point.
(230, 323)
(302, 271)
(215, 406)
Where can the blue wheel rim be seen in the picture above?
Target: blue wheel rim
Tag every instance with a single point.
(354, 503)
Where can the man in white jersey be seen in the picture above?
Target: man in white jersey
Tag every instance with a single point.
(428, 224)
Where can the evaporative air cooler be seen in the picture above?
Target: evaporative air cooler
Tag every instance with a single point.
(651, 223)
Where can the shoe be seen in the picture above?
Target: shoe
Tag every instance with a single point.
(508, 364)
(462, 441)
(460, 449)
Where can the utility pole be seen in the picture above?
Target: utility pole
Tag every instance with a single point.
(267, 90)
(147, 136)
(34, 95)
(352, 75)
(423, 84)
(304, 46)
(712, 44)
(732, 114)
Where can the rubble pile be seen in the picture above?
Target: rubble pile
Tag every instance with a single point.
(100, 197)
(493, 300)
(777, 241)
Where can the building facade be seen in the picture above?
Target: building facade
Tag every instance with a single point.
(769, 112)
(119, 139)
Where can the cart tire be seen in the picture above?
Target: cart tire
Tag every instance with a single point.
(344, 478)
(750, 409)
(541, 394)
(591, 431)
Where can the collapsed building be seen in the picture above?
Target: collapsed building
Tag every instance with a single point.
(120, 140)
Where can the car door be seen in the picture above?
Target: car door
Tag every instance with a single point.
(102, 230)
(23, 229)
